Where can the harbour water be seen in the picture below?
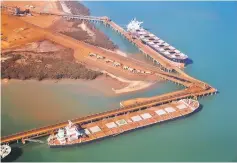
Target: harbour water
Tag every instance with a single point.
(205, 31)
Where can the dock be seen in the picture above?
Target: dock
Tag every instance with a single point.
(194, 88)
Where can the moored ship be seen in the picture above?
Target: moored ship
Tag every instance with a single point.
(93, 130)
(5, 151)
(154, 42)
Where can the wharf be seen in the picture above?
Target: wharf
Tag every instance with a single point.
(194, 88)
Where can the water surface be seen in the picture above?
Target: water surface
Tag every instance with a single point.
(205, 31)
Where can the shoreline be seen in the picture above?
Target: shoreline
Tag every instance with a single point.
(65, 8)
(108, 83)
(132, 85)
(89, 34)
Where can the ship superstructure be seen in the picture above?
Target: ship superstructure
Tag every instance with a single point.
(72, 131)
(134, 25)
(94, 130)
(154, 42)
(5, 151)
(66, 135)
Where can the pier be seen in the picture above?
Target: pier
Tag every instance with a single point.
(167, 70)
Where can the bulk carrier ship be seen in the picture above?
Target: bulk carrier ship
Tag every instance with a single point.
(74, 134)
(171, 53)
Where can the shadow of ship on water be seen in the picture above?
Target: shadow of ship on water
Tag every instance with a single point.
(16, 152)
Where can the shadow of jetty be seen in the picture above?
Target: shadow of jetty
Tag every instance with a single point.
(16, 152)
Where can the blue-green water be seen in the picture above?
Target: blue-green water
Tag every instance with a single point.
(205, 31)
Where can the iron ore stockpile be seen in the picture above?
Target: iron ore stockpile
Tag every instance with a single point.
(134, 113)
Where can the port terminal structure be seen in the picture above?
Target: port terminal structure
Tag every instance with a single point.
(193, 88)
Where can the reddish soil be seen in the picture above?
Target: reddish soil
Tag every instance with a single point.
(56, 63)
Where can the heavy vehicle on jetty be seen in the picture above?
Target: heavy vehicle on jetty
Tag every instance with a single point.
(5, 151)
(74, 134)
(154, 42)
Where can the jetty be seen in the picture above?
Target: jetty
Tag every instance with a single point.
(193, 88)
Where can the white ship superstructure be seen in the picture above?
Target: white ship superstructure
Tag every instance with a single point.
(134, 25)
(67, 134)
(154, 42)
(61, 136)
(72, 131)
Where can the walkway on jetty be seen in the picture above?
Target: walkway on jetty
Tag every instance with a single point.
(194, 88)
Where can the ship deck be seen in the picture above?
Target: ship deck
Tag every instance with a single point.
(151, 40)
(130, 121)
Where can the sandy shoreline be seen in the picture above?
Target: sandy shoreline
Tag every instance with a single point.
(65, 8)
(132, 85)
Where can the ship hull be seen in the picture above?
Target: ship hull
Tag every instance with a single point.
(184, 61)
